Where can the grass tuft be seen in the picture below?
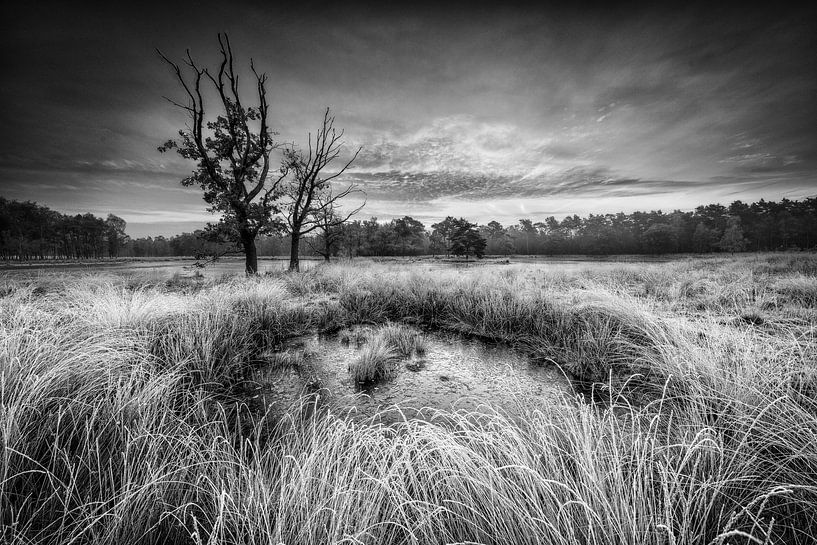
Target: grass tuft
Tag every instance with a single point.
(376, 360)
(403, 339)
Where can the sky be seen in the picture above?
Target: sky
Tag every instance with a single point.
(481, 111)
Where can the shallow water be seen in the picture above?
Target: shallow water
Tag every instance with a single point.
(453, 373)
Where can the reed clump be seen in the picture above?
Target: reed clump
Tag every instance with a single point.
(376, 360)
(383, 348)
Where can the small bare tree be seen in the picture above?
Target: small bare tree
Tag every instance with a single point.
(310, 201)
(232, 151)
(331, 234)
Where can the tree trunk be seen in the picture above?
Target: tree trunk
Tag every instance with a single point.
(250, 254)
(327, 251)
(294, 263)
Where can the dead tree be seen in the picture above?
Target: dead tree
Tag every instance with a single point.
(331, 233)
(309, 194)
(232, 151)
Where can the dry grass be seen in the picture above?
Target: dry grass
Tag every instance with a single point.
(404, 340)
(376, 360)
(117, 423)
(382, 349)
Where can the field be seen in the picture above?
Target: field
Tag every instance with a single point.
(155, 268)
(691, 417)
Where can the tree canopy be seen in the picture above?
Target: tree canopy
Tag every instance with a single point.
(460, 237)
(230, 144)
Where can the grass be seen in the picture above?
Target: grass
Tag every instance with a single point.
(288, 359)
(404, 340)
(375, 361)
(119, 421)
(379, 353)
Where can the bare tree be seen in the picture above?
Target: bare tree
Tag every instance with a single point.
(309, 195)
(232, 152)
(332, 233)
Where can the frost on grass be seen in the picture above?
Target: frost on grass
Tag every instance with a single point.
(379, 355)
(117, 423)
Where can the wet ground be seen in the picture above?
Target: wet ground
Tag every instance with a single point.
(161, 269)
(452, 373)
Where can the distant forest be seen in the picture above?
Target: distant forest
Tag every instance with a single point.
(30, 232)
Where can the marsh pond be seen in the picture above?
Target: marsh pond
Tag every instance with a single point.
(392, 372)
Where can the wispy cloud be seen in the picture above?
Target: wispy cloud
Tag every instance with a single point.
(462, 143)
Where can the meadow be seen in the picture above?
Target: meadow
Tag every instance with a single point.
(692, 416)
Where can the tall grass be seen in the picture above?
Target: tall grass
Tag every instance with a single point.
(118, 421)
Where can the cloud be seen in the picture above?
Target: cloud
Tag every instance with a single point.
(463, 143)
(428, 187)
(166, 216)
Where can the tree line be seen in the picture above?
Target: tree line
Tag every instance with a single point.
(29, 231)
(759, 226)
